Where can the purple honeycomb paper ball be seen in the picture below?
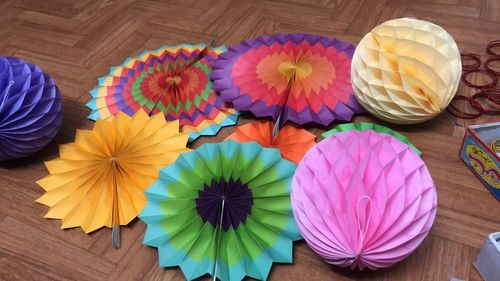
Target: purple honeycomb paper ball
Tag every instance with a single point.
(30, 108)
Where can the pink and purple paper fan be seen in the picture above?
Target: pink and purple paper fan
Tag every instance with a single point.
(363, 199)
(30, 108)
(302, 77)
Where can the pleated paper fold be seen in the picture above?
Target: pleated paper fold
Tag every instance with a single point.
(406, 71)
(363, 199)
(303, 78)
(292, 142)
(172, 80)
(224, 210)
(363, 126)
(118, 158)
(30, 108)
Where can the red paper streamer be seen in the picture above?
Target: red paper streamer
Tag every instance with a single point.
(493, 95)
(453, 110)
(491, 46)
(470, 57)
(488, 61)
(487, 91)
(492, 75)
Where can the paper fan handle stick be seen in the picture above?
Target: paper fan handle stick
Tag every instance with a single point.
(218, 241)
(279, 121)
(115, 219)
(159, 98)
(204, 52)
(276, 128)
(200, 56)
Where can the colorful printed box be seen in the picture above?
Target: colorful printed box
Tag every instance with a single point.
(480, 151)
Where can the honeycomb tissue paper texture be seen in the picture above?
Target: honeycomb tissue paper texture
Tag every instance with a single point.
(363, 199)
(406, 71)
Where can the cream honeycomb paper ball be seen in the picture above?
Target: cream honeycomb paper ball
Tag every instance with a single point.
(406, 71)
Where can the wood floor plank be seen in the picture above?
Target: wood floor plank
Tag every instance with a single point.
(129, 235)
(58, 8)
(139, 261)
(463, 228)
(21, 204)
(363, 22)
(490, 10)
(19, 268)
(448, 259)
(57, 23)
(445, 8)
(33, 243)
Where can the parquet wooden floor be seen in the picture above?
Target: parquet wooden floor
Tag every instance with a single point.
(77, 41)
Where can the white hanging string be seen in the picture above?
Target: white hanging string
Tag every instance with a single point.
(6, 96)
(363, 233)
(218, 241)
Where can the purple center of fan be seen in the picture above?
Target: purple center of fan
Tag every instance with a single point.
(234, 195)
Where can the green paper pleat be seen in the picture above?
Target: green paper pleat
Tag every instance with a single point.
(363, 126)
(184, 239)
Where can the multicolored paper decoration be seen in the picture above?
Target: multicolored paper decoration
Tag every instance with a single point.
(99, 180)
(300, 78)
(363, 199)
(223, 209)
(292, 142)
(363, 126)
(30, 108)
(172, 80)
(406, 71)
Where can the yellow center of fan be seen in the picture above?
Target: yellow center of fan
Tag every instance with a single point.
(176, 80)
(299, 69)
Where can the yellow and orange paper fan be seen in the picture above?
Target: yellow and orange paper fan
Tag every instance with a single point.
(292, 142)
(99, 180)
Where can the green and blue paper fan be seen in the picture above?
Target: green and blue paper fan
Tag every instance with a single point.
(223, 209)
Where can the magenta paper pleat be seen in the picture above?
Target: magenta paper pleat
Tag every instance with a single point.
(363, 199)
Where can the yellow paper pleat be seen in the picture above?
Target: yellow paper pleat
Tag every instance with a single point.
(126, 151)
